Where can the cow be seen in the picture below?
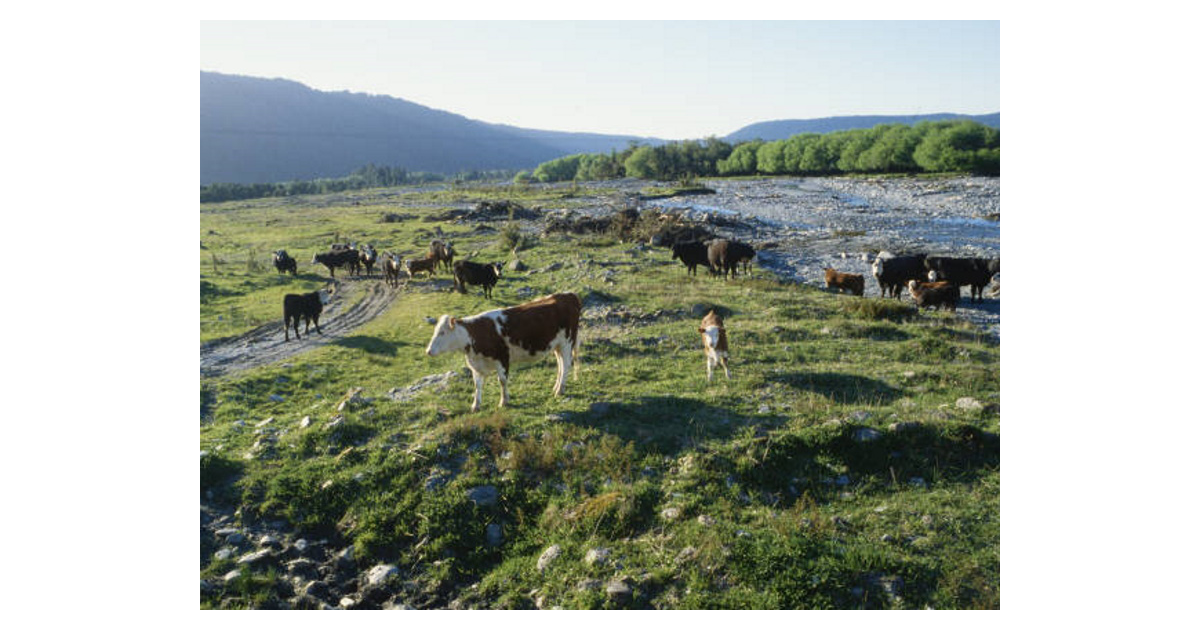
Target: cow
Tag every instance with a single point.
(283, 262)
(893, 272)
(307, 306)
(852, 282)
(467, 272)
(428, 265)
(974, 272)
(691, 254)
(724, 256)
(391, 268)
(494, 340)
(443, 251)
(367, 257)
(934, 294)
(716, 344)
(338, 258)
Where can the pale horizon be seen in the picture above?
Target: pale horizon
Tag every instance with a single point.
(667, 80)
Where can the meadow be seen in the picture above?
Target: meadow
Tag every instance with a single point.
(852, 461)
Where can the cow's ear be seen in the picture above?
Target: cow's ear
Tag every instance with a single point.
(700, 329)
(453, 322)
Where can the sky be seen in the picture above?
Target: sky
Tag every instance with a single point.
(670, 80)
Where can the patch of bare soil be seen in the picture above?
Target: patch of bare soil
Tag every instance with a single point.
(356, 302)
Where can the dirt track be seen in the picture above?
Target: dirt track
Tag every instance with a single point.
(367, 299)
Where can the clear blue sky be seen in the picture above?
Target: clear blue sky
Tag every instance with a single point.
(671, 80)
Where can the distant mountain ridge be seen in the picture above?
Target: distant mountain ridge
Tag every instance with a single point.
(783, 129)
(255, 130)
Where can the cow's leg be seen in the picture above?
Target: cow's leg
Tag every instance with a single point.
(563, 356)
(478, 390)
(286, 325)
(502, 376)
(708, 364)
(317, 324)
(725, 366)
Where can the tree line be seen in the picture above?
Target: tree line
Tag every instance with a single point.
(962, 146)
(369, 176)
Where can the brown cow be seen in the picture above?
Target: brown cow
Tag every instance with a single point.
(937, 294)
(494, 340)
(852, 282)
(428, 265)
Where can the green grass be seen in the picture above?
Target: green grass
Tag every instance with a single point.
(804, 512)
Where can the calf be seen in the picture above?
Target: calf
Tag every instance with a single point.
(934, 294)
(852, 282)
(716, 344)
(467, 272)
(443, 251)
(428, 265)
(391, 268)
(691, 254)
(367, 258)
(338, 258)
(893, 272)
(494, 340)
(283, 262)
(307, 306)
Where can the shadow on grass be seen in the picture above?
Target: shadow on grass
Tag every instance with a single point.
(668, 424)
(372, 345)
(839, 388)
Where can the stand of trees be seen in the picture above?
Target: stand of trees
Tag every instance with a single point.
(369, 176)
(945, 146)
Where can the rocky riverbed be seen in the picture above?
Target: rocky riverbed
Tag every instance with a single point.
(802, 225)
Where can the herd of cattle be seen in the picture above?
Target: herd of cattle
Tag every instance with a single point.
(496, 339)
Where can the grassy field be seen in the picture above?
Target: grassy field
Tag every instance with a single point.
(835, 469)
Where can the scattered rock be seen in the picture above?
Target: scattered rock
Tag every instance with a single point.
(588, 585)
(517, 265)
(305, 421)
(685, 554)
(232, 575)
(495, 535)
(670, 513)
(597, 556)
(484, 495)
(380, 574)
(968, 403)
(254, 556)
(224, 553)
(867, 434)
(705, 520)
(618, 591)
(549, 555)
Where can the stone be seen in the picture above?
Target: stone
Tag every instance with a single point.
(232, 575)
(516, 265)
(705, 520)
(254, 556)
(224, 554)
(588, 585)
(860, 416)
(380, 573)
(305, 421)
(549, 555)
(495, 535)
(670, 513)
(685, 554)
(866, 434)
(968, 403)
(484, 495)
(618, 591)
(598, 555)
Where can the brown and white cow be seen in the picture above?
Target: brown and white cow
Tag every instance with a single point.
(852, 282)
(496, 339)
(716, 345)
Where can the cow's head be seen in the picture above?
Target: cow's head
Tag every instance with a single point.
(316, 258)
(449, 335)
(933, 275)
(499, 268)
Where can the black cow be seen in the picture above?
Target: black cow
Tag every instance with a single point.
(893, 272)
(974, 272)
(283, 262)
(691, 254)
(724, 256)
(338, 258)
(307, 306)
(467, 272)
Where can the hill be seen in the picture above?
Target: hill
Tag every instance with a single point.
(255, 130)
(783, 129)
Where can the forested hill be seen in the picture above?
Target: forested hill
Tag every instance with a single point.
(783, 129)
(255, 130)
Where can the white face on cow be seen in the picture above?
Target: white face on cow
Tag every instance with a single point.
(932, 275)
(712, 334)
(325, 295)
(448, 336)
